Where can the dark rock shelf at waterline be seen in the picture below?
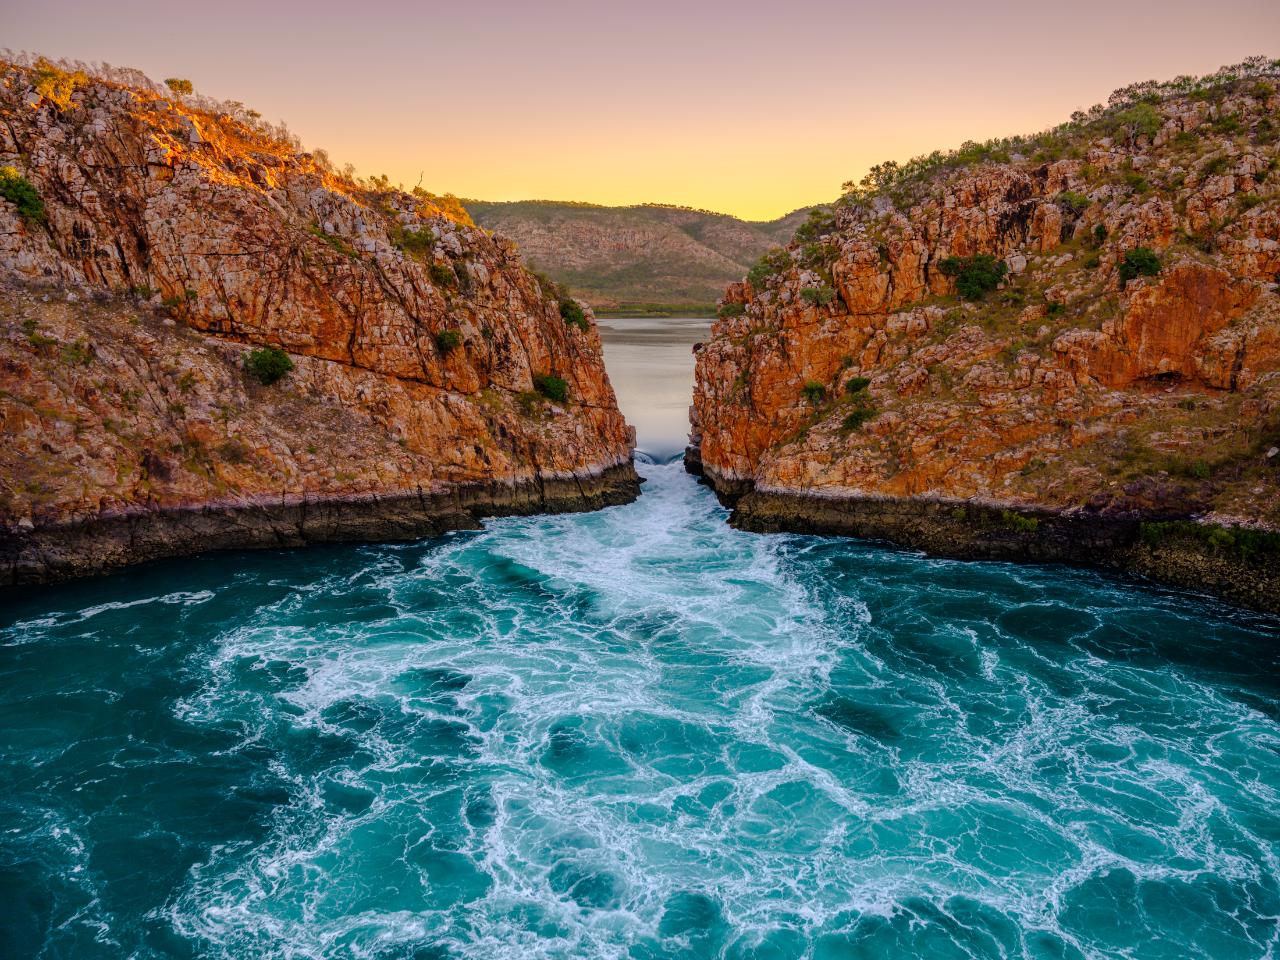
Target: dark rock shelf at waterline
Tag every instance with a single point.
(99, 544)
(1170, 550)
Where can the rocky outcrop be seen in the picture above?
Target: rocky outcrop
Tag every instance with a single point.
(170, 238)
(1082, 327)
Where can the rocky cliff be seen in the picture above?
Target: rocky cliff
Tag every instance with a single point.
(643, 258)
(151, 241)
(1061, 347)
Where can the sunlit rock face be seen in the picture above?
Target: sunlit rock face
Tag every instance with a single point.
(1123, 359)
(1065, 385)
(176, 236)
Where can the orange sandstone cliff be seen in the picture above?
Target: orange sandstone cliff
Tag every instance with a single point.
(1062, 347)
(149, 241)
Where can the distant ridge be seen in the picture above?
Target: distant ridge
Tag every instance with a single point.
(643, 258)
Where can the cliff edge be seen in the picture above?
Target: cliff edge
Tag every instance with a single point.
(211, 339)
(1059, 347)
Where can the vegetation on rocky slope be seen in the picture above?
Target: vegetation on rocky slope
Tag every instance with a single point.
(156, 242)
(1087, 318)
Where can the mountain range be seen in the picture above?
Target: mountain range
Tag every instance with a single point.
(648, 258)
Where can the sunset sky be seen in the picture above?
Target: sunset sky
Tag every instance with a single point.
(750, 108)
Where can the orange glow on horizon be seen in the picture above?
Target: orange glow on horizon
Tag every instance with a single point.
(745, 108)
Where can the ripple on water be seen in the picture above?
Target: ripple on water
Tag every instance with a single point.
(639, 734)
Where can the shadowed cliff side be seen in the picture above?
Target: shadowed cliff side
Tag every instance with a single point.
(1061, 347)
(151, 241)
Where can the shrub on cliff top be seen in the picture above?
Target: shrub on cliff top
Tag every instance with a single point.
(771, 264)
(57, 85)
(18, 190)
(551, 386)
(975, 276)
(820, 222)
(267, 364)
(1138, 262)
(1243, 542)
(179, 86)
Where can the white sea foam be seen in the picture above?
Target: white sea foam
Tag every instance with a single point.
(534, 740)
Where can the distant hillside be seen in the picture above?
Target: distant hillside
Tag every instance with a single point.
(635, 258)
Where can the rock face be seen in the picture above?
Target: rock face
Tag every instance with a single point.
(172, 237)
(1121, 367)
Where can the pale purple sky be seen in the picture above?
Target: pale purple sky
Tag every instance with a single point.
(753, 108)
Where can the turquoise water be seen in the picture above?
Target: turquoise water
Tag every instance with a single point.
(637, 733)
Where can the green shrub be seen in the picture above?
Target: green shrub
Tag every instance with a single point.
(1226, 124)
(731, 310)
(1054, 308)
(1241, 542)
(442, 276)
(1214, 166)
(1138, 262)
(179, 86)
(1018, 523)
(820, 222)
(818, 296)
(18, 190)
(34, 336)
(856, 385)
(1074, 203)
(814, 392)
(78, 354)
(57, 85)
(267, 364)
(1099, 236)
(178, 299)
(1140, 120)
(448, 340)
(975, 276)
(1092, 262)
(416, 243)
(855, 418)
(551, 386)
(771, 264)
(572, 313)
(1135, 181)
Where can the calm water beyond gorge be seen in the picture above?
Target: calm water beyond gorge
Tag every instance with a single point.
(637, 733)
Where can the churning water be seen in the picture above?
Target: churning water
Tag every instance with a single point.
(636, 733)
